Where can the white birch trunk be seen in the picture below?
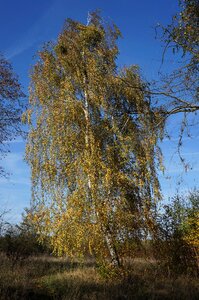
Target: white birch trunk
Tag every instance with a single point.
(112, 251)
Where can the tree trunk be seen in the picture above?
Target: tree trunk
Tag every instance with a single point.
(108, 239)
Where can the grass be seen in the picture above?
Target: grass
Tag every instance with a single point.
(56, 278)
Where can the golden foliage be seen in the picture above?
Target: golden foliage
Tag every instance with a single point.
(93, 145)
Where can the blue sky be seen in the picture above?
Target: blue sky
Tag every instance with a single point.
(26, 25)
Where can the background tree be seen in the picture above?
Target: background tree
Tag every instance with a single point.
(10, 108)
(92, 145)
(177, 91)
(176, 243)
(182, 36)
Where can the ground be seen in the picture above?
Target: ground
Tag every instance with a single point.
(56, 278)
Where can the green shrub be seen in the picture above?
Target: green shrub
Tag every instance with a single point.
(170, 245)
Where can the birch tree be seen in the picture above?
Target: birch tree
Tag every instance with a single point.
(92, 145)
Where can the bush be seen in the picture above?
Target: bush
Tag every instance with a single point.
(175, 243)
(18, 245)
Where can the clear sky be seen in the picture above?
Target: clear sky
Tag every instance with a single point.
(26, 25)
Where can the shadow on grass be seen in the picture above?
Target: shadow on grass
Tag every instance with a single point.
(19, 293)
(51, 278)
(67, 290)
(84, 286)
(74, 289)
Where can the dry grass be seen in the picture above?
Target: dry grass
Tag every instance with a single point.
(53, 278)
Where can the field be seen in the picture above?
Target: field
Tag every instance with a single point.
(56, 278)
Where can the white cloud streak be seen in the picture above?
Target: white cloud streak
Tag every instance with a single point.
(31, 36)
